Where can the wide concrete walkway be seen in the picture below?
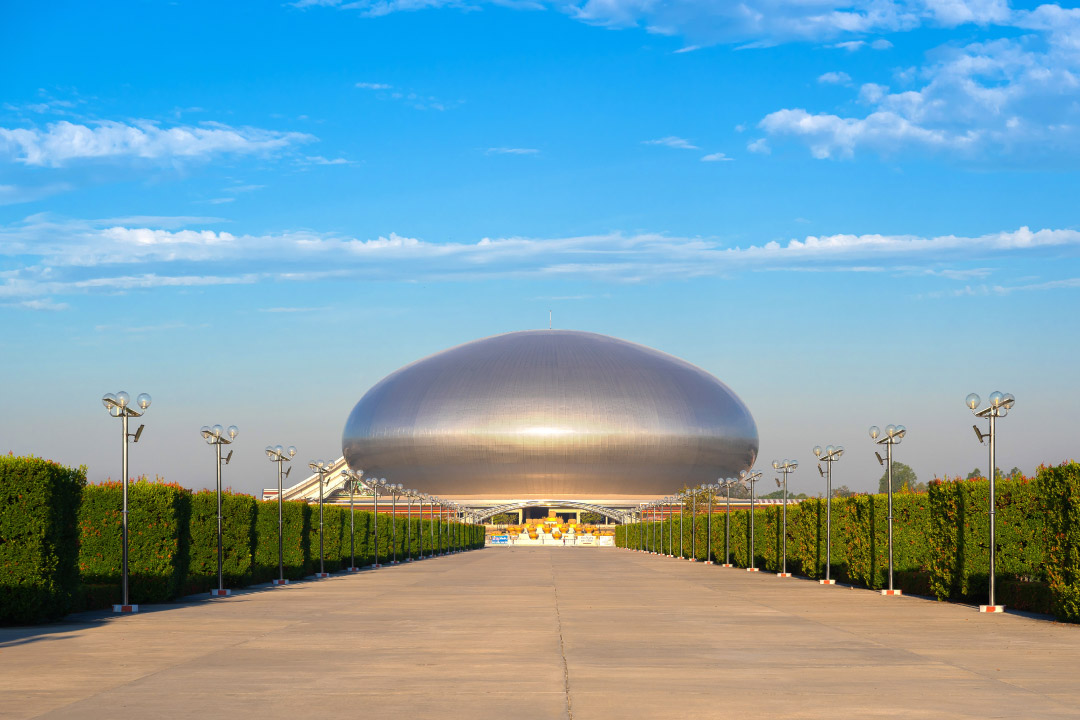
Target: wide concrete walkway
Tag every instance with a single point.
(538, 633)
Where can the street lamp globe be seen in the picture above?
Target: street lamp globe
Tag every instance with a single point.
(817, 451)
(233, 432)
(972, 401)
(122, 399)
(875, 432)
(996, 398)
(143, 400)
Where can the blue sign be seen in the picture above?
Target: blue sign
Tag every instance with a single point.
(499, 539)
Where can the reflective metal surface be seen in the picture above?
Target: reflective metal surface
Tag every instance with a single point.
(550, 413)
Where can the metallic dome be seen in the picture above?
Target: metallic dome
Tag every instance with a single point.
(550, 414)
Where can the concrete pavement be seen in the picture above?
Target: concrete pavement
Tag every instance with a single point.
(537, 633)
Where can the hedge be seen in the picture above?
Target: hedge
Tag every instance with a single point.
(939, 540)
(1059, 503)
(238, 517)
(296, 540)
(39, 542)
(158, 537)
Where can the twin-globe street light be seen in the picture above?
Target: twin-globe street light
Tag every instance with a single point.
(751, 479)
(727, 484)
(321, 469)
(353, 481)
(1000, 405)
(786, 467)
(829, 455)
(711, 489)
(217, 436)
(893, 435)
(119, 405)
(277, 454)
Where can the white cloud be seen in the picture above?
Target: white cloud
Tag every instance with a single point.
(373, 86)
(511, 151)
(57, 259)
(672, 141)
(1013, 99)
(759, 146)
(716, 157)
(834, 78)
(320, 160)
(62, 142)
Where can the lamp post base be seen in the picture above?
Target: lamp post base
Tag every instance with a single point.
(376, 566)
(127, 609)
(991, 608)
(892, 592)
(727, 565)
(322, 575)
(281, 582)
(783, 574)
(693, 559)
(827, 582)
(408, 559)
(352, 569)
(708, 562)
(753, 570)
(220, 593)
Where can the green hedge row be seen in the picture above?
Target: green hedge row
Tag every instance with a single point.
(39, 540)
(60, 540)
(939, 540)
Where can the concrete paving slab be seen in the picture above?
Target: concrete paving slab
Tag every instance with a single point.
(546, 632)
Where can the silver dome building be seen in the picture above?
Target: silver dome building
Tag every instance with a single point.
(550, 414)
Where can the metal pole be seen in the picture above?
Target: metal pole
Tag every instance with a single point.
(682, 506)
(708, 552)
(375, 520)
(322, 567)
(393, 525)
(993, 476)
(784, 570)
(693, 526)
(352, 526)
(888, 450)
(221, 586)
(752, 559)
(670, 532)
(727, 529)
(828, 519)
(124, 526)
(280, 528)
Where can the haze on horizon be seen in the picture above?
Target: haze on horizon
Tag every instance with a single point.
(851, 212)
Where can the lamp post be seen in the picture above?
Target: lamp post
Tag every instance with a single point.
(693, 524)
(119, 405)
(216, 436)
(431, 525)
(277, 454)
(682, 506)
(322, 470)
(354, 480)
(710, 488)
(829, 455)
(751, 478)
(374, 484)
(438, 523)
(727, 485)
(671, 527)
(1000, 405)
(893, 435)
(409, 494)
(395, 490)
(786, 467)
(655, 528)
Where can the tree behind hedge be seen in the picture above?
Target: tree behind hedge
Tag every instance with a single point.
(39, 539)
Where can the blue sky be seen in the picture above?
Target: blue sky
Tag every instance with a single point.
(852, 212)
